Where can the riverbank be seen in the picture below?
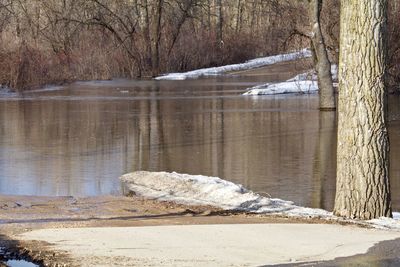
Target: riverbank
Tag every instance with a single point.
(32, 228)
(22, 214)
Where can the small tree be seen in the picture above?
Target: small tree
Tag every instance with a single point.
(321, 60)
(363, 146)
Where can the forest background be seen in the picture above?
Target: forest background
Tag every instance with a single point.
(56, 41)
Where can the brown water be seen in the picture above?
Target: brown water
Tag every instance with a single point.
(79, 139)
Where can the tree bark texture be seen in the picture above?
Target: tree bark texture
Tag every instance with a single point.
(362, 189)
(147, 35)
(156, 37)
(323, 65)
(219, 23)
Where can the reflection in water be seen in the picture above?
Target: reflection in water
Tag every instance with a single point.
(325, 161)
(52, 143)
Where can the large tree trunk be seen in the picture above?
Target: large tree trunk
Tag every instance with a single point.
(322, 66)
(363, 146)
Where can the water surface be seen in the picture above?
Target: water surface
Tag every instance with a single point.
(79, 139)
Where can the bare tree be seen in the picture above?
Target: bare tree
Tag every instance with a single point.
(220, 22)
(156, 36)
(322, 64)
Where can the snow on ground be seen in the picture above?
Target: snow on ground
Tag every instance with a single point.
(203, 190)
(213, 191)
(251, 64)
(288, 87)
(387, 223)
(303, 83)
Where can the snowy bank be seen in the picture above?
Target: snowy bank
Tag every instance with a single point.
(203, 190)
(288, 87)
(251, 64)
(302, 84)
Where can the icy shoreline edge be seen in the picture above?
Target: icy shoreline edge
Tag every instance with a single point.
(203, 190)
(251, 64)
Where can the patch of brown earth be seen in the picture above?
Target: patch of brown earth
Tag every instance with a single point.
(21, 214)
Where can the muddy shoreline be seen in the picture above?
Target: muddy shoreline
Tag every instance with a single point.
(19, 214)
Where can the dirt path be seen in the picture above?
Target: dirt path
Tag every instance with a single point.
(19, 215)
(23, 214)
(210, 245)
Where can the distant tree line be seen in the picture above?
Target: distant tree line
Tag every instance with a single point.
(55, 41)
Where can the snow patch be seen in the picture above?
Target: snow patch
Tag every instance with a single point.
(387, 223)
(284, 88)
(301, 84)
(251, 64)
(213, 191)
(203, 190)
